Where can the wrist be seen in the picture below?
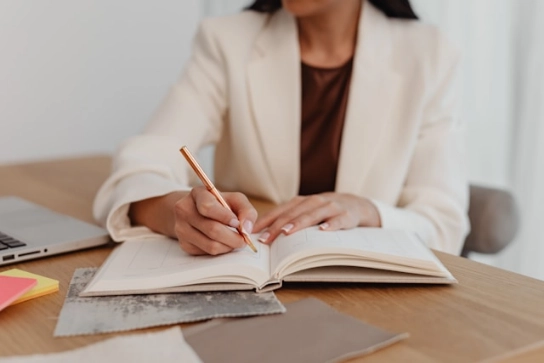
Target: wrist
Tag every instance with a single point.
(156, 213)
(370, 215)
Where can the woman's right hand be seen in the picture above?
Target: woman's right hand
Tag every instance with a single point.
(202, 223)
(199, 222)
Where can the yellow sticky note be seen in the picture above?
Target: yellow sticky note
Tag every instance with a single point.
(44, 285)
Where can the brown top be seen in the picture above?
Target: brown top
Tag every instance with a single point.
(324, 100)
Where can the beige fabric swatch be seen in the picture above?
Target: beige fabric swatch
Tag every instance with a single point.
(167, 346)
(310, 331)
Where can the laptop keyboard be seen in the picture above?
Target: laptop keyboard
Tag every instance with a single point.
(9, 242)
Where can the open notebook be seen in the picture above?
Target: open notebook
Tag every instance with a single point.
(356, 255)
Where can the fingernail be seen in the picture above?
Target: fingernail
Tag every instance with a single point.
(248, 226)
(323, 226)
(287, 227)
(264, 237)
(234, 223)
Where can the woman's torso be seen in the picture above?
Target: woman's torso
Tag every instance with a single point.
(258, 151)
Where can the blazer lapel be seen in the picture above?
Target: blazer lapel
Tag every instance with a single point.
(374, 91)
(274, 89)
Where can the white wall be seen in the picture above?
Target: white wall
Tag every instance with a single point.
(483, 31)
(77, 77)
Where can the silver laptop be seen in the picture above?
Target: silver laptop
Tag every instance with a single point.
(29, 231)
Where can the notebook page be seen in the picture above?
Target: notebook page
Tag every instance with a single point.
(152, 263)
(392, 245)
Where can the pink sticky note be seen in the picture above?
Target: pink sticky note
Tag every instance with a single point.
(13, 287)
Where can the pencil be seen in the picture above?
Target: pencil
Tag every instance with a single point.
(209, 185)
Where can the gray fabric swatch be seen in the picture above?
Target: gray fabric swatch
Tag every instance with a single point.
(92, 315)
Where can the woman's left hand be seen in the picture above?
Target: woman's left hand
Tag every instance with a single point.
(331, 211)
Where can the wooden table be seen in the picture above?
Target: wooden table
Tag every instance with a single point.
(490, 314)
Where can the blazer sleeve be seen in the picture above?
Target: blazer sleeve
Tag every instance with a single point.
(434, 200)
(150, 165)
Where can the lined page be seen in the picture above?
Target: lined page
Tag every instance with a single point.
(392, 245)
(160, 263)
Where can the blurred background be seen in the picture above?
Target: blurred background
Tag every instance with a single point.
(78, 77)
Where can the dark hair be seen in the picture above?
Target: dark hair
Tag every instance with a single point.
(392, 8)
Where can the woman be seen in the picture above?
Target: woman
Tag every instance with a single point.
(338, 111)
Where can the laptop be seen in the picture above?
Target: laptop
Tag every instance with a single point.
(29, 231)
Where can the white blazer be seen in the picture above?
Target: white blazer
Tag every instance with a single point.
(241, 90)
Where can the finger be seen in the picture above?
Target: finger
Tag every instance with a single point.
(210, 231)
(208, 206)
(267, 219)
(181, 229)
(194, 240)
(314, 217)
(283, 224)
(218, 232)
(340, 221)
(241, 206)
(191, 249)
